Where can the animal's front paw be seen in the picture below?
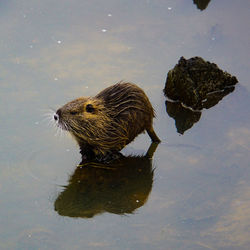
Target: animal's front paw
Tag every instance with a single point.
(87, 155)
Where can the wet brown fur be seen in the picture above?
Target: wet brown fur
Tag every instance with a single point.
(120, 112)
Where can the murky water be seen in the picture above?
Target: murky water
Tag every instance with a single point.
(194, 194)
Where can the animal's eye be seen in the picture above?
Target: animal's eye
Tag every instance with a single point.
(90, 108)
(73, 112)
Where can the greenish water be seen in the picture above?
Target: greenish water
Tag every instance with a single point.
(195, 194)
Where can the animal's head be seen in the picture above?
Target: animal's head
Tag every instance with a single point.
(81, 117)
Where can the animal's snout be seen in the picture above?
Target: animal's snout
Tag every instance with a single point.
(57, 114)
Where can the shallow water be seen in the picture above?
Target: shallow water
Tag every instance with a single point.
(193, 195)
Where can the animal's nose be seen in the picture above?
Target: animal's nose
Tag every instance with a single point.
(57, 114)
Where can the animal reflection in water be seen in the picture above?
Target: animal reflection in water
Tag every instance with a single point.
(119, 187)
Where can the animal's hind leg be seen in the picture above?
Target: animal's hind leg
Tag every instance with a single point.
(152, 134)
(152, 149)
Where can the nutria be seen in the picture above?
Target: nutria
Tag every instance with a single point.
(104, 124)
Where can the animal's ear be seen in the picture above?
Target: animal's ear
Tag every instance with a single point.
(90, 108)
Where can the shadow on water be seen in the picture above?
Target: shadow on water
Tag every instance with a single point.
(119, 187)
(201, 4)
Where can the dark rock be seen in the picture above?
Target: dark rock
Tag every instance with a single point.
(213, 98)
(201, 4)
(197, 83)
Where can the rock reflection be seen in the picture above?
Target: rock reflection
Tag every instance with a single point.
(184, 117)
(119, 187)
(195, 84)
(201, 4)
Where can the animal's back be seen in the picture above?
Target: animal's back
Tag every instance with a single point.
(128, 105)
(125, 97)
